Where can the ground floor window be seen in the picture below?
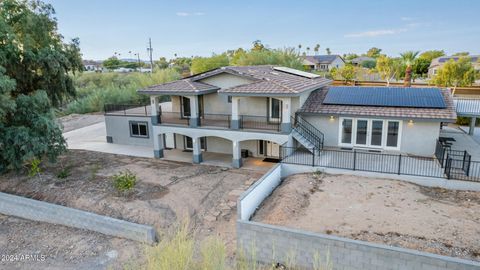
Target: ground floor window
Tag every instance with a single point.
(375, 133)
(138, 129)
(188, 143)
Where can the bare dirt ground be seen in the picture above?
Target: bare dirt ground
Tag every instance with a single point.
(166, 193)
(379, 210)
(76, 121)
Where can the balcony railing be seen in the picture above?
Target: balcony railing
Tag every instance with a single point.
(174, 118)
(127, 109)
(215, 120)
(259, 122)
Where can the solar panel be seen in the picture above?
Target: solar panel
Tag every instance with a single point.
(297, 72)
(386, 97)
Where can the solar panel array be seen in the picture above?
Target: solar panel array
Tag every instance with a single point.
(297, 72)
(445, 59)
(386, 97)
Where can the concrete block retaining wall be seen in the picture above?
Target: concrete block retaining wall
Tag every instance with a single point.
(279, 244)
(275, 244)
(57, 214)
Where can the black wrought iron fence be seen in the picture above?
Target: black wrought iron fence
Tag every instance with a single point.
(259, 122)
(454, 167)
(126, 109)
(215, 120)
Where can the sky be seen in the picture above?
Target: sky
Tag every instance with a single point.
(200, 28)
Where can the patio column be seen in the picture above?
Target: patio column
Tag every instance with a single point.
(193, 122)
(237, 155)
(154, 109)
(158, 146)
(471, 129)
(235, 113)
(286, 126)
(197, 150)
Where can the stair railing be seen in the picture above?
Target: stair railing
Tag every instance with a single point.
(308, 131)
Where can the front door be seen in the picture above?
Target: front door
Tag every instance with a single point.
(186, 112)
(189, 143)
(268, 149)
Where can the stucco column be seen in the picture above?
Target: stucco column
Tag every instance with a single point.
(193, 111)
(235, 113)
(286, 126)
(154, 109)
(158, 146)
(197, 150)
(471, 130)
(237, 155)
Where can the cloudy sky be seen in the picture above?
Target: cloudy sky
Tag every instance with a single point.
(190, 28)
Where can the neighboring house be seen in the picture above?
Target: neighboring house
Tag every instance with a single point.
(440, 61)
(260, 111)
(323, 62)
(90, 65)
(359, 60)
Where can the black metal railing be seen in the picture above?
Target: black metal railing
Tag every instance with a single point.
(127, 109)
(259, 122)
(308, 131)
(215, 120)
(175, 118)
(455, 167)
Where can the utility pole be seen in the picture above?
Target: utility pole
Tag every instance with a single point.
(150, 51)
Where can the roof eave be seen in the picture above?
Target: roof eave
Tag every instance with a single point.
(449, 120)
(176, 92)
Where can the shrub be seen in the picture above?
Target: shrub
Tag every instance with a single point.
(34, 167)
(64, 172)
(124, 181)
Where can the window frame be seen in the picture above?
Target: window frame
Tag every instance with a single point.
(383, 145)
(138, 123)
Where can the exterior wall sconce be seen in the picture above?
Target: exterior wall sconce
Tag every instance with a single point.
(332, 117)
(410, 122)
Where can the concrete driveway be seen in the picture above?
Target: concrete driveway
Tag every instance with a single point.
(93, 138)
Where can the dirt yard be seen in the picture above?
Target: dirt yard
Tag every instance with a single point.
(75, 121)
(379, 210)
(166, 193)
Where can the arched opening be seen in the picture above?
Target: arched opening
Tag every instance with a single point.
(261, 154)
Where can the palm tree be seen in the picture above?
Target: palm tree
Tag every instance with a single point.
(308, 50)
(328, 51)
(316, 48)
(299, 48)
(408, 58)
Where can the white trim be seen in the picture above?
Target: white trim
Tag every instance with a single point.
(368, 144)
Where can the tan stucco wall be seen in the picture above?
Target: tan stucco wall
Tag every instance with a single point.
(418, 138)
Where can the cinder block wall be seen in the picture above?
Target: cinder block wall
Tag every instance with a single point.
(57, 214)
(278, 244)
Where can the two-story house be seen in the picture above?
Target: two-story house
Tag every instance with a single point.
(259, 110)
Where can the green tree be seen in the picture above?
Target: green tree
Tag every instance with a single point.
(346, 73)
(282, 57)
(408, 58)
(350, 56)
(374, 52)
(461, 54)
(161, 63)
(369, 64)
(112, 63)
(328, 51)
(388, 68)
(258, 46)
(34, 75)
(455, 74)
(430, 55)
(202, 64)
(420, 66)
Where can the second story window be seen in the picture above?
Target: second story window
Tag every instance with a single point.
(229, 99)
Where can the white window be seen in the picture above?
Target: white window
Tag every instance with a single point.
(138, 129)
(371, 133)
(275, 109)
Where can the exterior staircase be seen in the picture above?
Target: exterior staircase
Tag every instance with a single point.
(307, 135)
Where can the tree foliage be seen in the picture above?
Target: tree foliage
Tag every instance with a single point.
(388, 68)
(374, 52)
(287, 57)
(432, 54)
(202, 64)
(455, 73)
(34, 67)
(346, 73)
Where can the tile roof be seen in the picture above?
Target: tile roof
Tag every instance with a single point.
(265, 80)
(180, 86)
(314, 104)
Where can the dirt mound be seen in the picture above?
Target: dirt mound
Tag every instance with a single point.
(289, 199)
